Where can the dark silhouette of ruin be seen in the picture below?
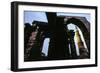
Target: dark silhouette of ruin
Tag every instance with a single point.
(60, 38)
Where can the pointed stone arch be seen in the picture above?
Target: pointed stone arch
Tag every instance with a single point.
(83, 24)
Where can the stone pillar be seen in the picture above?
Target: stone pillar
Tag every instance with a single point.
(58, 48)
(72, 44)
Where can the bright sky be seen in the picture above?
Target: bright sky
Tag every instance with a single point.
(30, 16)
(86, 15)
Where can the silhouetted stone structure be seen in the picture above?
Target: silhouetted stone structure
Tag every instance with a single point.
(59, 40)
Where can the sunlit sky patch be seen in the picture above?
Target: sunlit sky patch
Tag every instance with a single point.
(86, 15)
(30, 16)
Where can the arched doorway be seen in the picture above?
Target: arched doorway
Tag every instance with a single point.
(81, 25)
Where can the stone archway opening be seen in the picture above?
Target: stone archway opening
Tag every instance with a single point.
(82, 35)
(78, 40)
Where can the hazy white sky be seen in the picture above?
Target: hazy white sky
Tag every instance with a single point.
(86, 15)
